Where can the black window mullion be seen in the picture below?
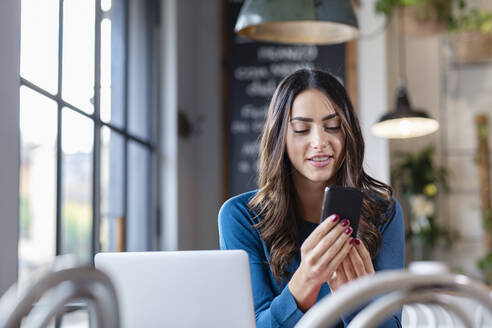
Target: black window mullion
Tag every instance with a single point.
(96, 153)
(154, 175)
(123, 132)
(59, 168)
(152, 13)
(56, 98)
(151, 145)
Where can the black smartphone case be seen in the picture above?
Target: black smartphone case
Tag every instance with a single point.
(344, 201)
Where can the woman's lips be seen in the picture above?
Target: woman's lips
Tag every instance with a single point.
(320, 161)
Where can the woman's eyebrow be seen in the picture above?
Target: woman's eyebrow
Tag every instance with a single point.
(305, 119)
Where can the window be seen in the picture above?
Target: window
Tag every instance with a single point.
(88, 155)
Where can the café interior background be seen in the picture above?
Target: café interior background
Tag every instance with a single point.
(188, 57)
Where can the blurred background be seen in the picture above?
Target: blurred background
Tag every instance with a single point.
(125, 124)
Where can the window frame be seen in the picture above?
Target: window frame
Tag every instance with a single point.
(150, 143)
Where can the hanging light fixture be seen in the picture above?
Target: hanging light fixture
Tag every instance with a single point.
(404, 121)
(298, 21)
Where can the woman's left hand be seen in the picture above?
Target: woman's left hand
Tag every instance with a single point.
(356, 264)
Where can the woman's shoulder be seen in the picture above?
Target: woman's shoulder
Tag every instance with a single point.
(393, 215)
(394, 208)
(390, 209)
(237, 207)
(238, 201)
(237, 227)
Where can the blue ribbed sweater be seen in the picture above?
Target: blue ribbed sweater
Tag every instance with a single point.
(274, 304)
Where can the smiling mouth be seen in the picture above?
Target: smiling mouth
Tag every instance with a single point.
(320, 161)
(320, 158)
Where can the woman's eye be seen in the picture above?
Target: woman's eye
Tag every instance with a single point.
(333, 128)
(300, 128)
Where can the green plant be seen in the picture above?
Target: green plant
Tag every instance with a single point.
(485, 265)
(442, 7)
(419, 180)
(487, 221)
(417, 174)
(434, 232)
(472, 20)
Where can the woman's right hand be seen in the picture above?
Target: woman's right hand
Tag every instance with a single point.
(321, 254)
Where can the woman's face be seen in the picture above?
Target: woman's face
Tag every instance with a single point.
(315, 139)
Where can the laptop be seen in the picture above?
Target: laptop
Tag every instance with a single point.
(181, 289)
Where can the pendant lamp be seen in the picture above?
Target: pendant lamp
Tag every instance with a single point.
(298, 21)
(404, 121)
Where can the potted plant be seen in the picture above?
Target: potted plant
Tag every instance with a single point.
(420, 17)
(485, 262)
(471, 35)
(485, 265)
(420, 181)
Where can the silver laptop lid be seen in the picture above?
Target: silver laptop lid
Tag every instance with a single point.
(181, 289)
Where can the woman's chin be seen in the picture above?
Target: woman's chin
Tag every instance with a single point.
(321, 176)
(315, 178)
(321, 179)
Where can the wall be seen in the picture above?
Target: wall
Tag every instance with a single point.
(9, 139)
(199, 98)
(168, 143)
(372, 91)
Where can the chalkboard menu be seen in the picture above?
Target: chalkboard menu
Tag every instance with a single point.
(253, 71)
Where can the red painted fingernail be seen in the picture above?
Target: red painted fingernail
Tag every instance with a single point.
(348, 230)
(335, 218)
(357, 242)
(345, 223)
(351, 241)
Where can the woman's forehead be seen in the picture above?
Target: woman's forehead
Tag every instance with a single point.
(312, 102)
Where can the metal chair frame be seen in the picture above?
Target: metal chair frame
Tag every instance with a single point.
(351, 296)
(56, 289)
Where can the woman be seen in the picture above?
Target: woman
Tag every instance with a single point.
(311, 139)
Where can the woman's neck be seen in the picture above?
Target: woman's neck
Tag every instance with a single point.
(310, 196)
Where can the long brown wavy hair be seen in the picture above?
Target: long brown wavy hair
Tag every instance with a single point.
(276, 199)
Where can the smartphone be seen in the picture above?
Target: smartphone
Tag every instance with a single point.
(344, 201)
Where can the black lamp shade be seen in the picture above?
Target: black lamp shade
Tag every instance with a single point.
(298, 21)
(404, 121)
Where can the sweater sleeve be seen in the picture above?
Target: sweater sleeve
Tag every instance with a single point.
(272, 308)
(391, 256)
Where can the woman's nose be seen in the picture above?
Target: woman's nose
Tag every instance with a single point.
(318, 140)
